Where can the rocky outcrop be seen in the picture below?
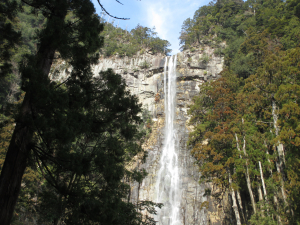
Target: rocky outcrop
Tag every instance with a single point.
(144, 75)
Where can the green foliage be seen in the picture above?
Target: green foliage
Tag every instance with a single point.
(242, 119)
(144, 65)
(124, 43)
(29, 24)
(204, 59)
(219, 51)
(146, 125)
(83, 131)
(10, 38)
(233, 21)
(87, 173)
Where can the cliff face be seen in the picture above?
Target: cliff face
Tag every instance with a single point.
(144, 75)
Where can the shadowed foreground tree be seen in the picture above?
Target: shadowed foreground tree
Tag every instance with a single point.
(84, 174)
(79, 132)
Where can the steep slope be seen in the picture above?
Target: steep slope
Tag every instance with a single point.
(144, 75)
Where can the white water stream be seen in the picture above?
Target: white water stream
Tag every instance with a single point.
(167, 185)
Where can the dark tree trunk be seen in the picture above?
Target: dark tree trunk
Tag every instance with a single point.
(20, 146)
(14, 167)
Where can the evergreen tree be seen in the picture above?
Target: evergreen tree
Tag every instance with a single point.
(246, 123)
(80, 133)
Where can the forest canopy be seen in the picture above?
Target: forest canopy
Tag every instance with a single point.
(125, 43)
(246, 138)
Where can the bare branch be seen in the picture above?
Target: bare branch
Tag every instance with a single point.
(109, 13)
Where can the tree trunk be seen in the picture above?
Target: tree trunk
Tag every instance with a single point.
(234, 205)
(247, 171)
(238, 196)
(248, 179)
(263, 181)
(14, 166)
(275, 194)
(260, 195)
(281, 158)
(241, 204)
(20, 146)
(279, 148)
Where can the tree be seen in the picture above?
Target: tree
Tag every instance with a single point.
(84, 177)
(246, 123)
(53, 114)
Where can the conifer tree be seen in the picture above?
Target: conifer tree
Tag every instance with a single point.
(80, 129)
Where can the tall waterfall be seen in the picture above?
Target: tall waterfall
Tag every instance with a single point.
(167, 185)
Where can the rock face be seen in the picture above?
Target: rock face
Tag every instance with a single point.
(144, 75)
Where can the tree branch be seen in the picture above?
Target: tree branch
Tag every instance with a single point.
(109, 13)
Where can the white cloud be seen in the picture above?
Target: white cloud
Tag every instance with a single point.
(157, 20)
(167, 16)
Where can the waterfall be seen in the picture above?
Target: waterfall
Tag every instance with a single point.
(167, 185)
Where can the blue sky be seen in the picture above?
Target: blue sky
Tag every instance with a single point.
(166, 16)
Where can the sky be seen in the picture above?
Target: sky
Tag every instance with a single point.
(166, 16)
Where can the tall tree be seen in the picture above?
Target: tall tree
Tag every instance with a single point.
(73, 40)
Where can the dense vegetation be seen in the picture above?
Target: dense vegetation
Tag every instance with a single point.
(65, 147)
(124, 43)
(246, 139)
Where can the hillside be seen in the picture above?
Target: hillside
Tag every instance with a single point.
(249, 117)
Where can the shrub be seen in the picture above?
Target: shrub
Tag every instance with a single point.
(205, 58)
(144, 65)
(219, 51)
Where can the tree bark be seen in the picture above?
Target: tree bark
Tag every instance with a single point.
(247, 171)
(260, 194)
(234, 205)
(279, 148)
(14, 166)
(260, 197)
(248, 178)
(281, 157)
(238, 195)
(263, 181)
(20, 145)
(275, 194)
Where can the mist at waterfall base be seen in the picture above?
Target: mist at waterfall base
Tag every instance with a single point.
(167, 185)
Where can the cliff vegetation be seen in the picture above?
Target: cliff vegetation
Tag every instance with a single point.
(246, 138)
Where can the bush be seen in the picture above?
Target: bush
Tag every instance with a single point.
(205, 58)
(219, 51)
(145, 65)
